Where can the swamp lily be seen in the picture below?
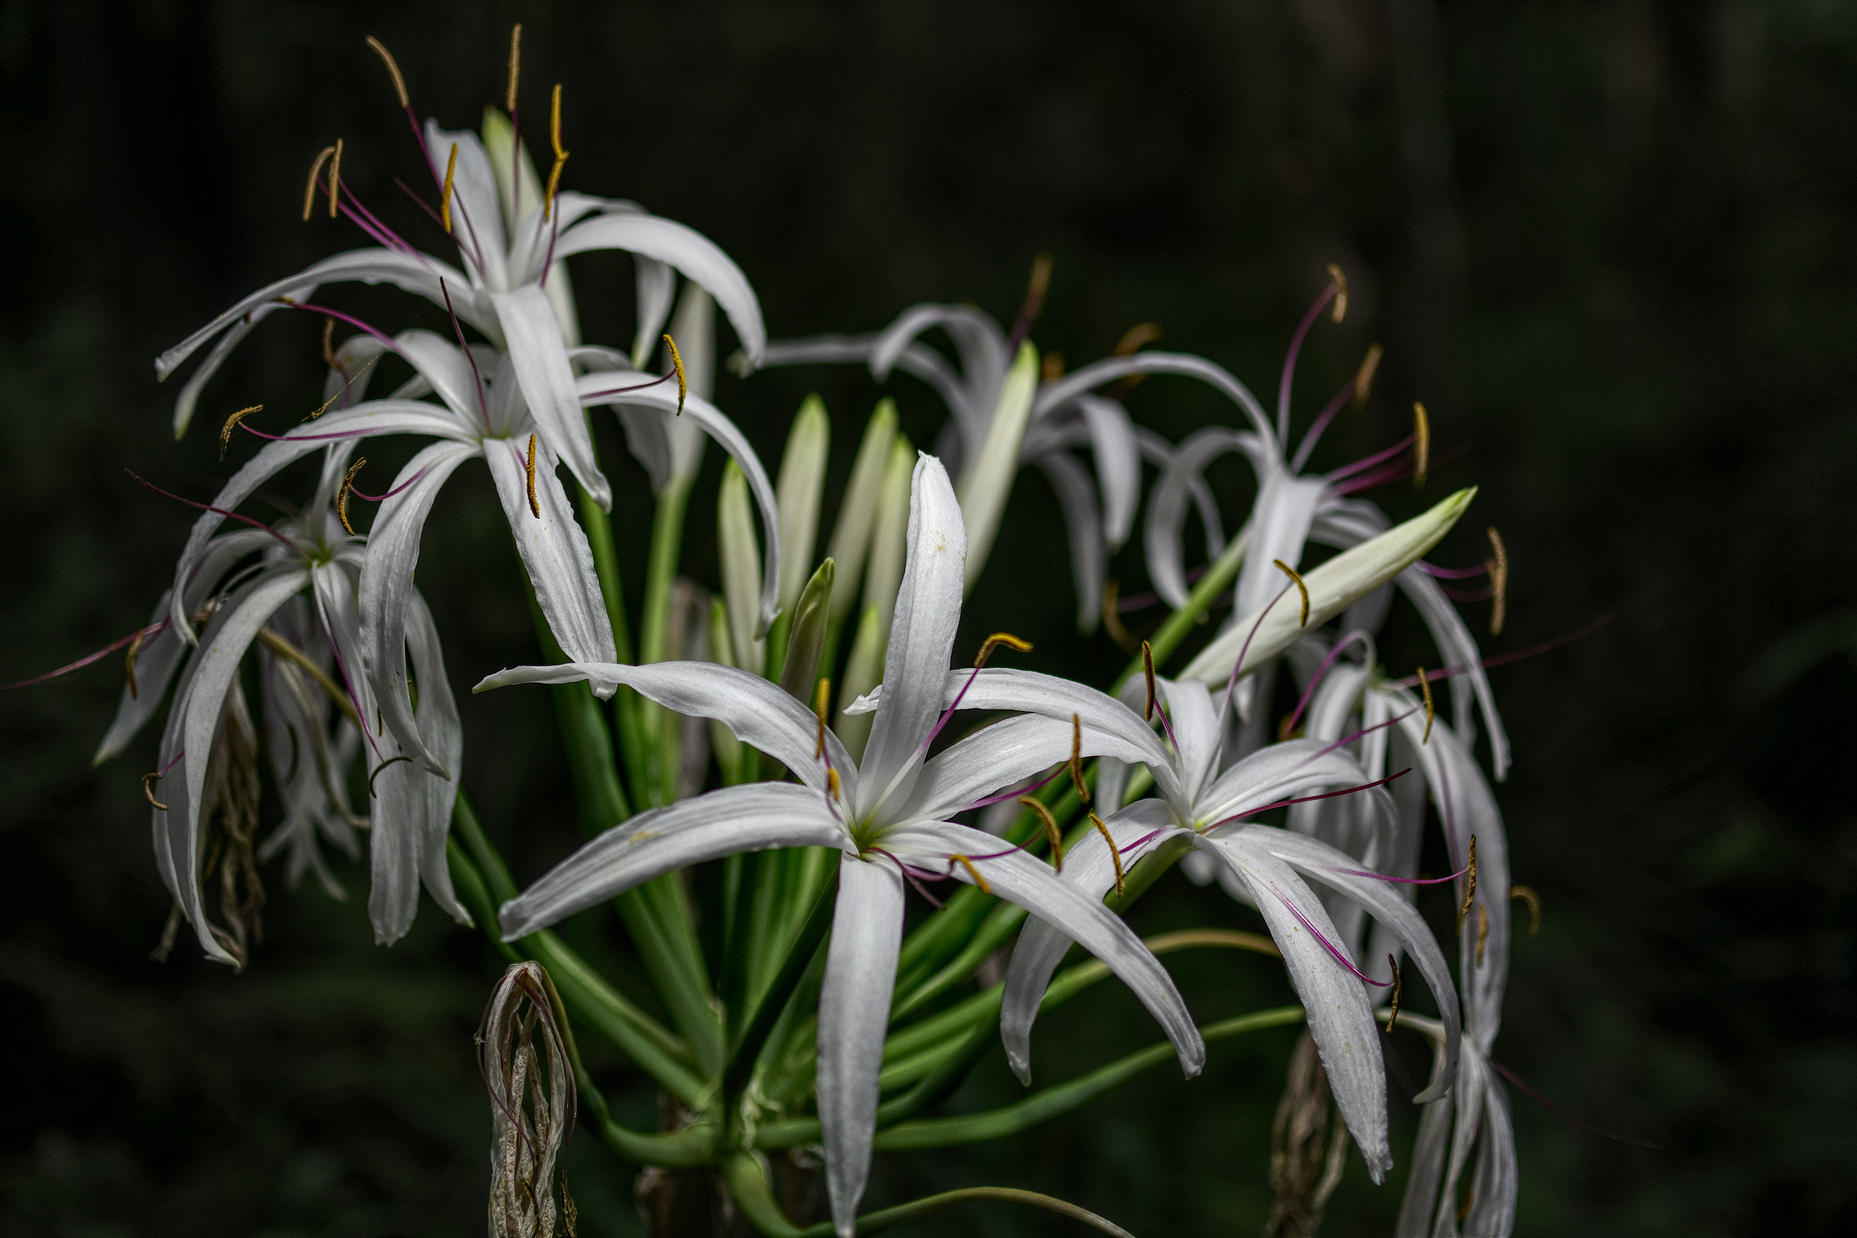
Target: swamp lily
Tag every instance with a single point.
(888, 815)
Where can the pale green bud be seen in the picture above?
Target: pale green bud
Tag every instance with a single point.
(851, 536)
(987, 479)
(740, 554)
(797, 495)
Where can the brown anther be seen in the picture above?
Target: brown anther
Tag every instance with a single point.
(1112, 617)
(995, 641)
(1470, 890)
(135, 647)
(535, 506)
(148, 789)
(232, 422)
(1053, 835)
(1051, 367)
(554, 175)
(1425, 687)
(1147, 669)
(973, 872)
(341, 496)
(1498, 583)
(822, 701)
(1392, 1013)
(1341, 291)
(328, 346)
(444, 203)
(1301, 588)
(335, 179)
(1115, 856)
(1421, 445)
(683, 382)
(383, 765)
(1076, 758)
(1534, 906)
(1482, 931)
(1136, 337)
(399, 83)
(309, 190)
(515, 67)
(1363, 377)
(1036, 287)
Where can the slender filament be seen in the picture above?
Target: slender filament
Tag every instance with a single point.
(1533, 900)
(1076, 758)
(1425, 686)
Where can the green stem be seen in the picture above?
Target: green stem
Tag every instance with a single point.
(799, 957)
(991, 935)
(599, 527)
(1217, 579)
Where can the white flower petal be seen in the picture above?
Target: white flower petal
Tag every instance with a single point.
(547, 380)
(1077, 382)
(1118, 465)
(1168, 497)
(999, 755)
(1088, 562)
(476, 214)
(657, 284)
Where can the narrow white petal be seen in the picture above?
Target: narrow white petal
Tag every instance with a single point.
(986, 478)
(547, 379)
(1279, 529)
(1084, 524)
(1167, 501)
(1055, 395)
(999, 755)
(1118, 465)
(477, 215)
(657, 283)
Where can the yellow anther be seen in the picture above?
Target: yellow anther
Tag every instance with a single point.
(341, 496)
(1036, 287)
(683, 382)
(1052, 834)
(1137, 337)
(1051, 367)
(1147, 669)
(534, 507)
(399, 83)
(309, 190)
(383, 765)
(1421, 445)
(1076, 758)
(1470, 890)
(148, 789)
(1425, 687)
(1534, 906)
(973, 872)
(1392, 1013)
(1112, 617)
(232, 423)
(135, 647)
(822, 701)
(1498, 583)
(1115, 857)
(515, 67)
(1341, 291)
(335, 178)
(444, 203)
(1301, 588)
(352, 379)
(554, 176)
(1482, 931)
(831, 782)
(1363, 377)
(995, 641)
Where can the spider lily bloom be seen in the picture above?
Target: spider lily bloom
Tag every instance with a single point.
(889, 816)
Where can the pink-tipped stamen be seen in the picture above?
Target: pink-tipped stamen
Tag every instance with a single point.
(1397, 472)
(1321, 671)
(220, 511)
(102, 653)
(1289, 361)
(483, 406)
(1306, 799)
(1327, 944)
(1503, 659)
(1557, 1111)
(336, 436)
(548, 260)
(1348, 470)
(949, 712)
(382, 498)
(1321, 423)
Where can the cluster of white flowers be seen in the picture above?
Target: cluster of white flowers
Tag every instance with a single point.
(826, 819)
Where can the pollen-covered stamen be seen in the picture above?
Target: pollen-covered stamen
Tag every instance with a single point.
(822, 701)
(148, 788)
(1470, 890)
(1341, 291)
(1533, 900)
(1421, 445)
(1430, 709)
(1133, 341)
(1147, 669)
(309, 190)
(1482, 931)
(998, 640)
(1498, 583)
(408, 484)
(554, 136)
(335, 180)
(1076, 758)
(328, 346)
(1301, 588)
(225, 431)
(135, 647)
(515, 68)
(534, 506)
(341, 495)
(393, 70)
(832, 784)
(383, 765)
(1052, 834)
(683, 382)
(972, 872)
(1115, 857)
(1033, 305)
(1051, 367)
(1363, 378)
(1392, 1013)
(444, 201)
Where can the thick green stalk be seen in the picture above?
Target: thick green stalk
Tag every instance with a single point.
(659, 727)
(1218, 578)
(1000, 924)
(599, 527)
(768, 1008)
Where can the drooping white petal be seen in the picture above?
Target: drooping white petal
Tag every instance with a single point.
(1042, 944)
(657, 283)
(1279, 529)
(693, 254)
(999, 755)
(1168, 497)
(547, 379)
(1118, 465)
(983, 353)
(1275, 773)
(554, 549)
(1196, 730)
(1033, 885)
(854, 1010)
(694, 329)
(928, 610)
(387, 589)
(1428, 1152)
(753, 817)
(1084, 525)
(1077, 382)
(760, 712)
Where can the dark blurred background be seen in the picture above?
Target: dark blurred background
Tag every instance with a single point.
(1612, 247)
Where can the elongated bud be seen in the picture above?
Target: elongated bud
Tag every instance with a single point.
(518, 187)
(740, 554)
(808, 635)
(889, 534)
(797, 495)
(532, 1102)
(987, 478)
(851, 535)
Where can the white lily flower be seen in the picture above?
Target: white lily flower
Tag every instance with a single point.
(888, 814)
